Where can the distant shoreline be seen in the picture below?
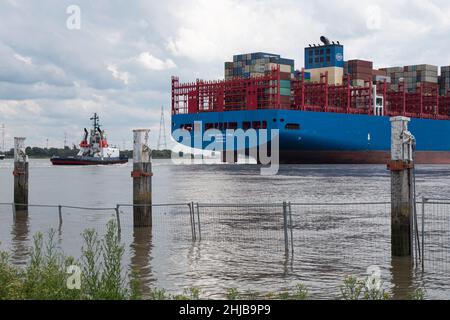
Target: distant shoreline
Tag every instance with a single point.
(40, 153)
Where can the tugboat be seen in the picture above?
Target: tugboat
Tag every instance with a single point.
(94, 151)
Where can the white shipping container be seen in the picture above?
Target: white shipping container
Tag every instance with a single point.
(383, 78)
(285, 68)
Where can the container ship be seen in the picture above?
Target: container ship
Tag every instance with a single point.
(94, 150)
(330, 112)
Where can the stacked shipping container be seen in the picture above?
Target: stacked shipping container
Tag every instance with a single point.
(259, 64)
(361, 71)
(251, 65)
(413, 75)
(444, 80)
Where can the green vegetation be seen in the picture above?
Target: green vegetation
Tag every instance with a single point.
(102, 276)
(36, 152)
(419, 294)
(156, 154)
(354, 289)
(45, 277)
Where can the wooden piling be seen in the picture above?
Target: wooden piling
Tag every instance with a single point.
(402, 188)
(20, 176)
(142, 180)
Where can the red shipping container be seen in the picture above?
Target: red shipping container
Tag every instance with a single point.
(285, 76)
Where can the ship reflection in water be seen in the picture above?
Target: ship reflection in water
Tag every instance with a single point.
(165, 258)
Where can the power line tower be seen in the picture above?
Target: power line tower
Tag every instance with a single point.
(3, 136)
(162, 132)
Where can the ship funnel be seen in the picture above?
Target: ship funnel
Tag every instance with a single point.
(86, 133)
(325, 40)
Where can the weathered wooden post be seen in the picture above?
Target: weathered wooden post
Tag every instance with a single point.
(402, 187)
(20, 176)
(142, 179)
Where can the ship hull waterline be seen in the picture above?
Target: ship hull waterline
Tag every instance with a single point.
(86, 162)
(333, 138)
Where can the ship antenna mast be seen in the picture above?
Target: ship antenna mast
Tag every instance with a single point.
(3, 137)
(96, 124)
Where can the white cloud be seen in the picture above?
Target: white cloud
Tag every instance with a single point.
(13, 108)
(213, 31)
(119, 64)
(26, 60)
(123, 76)
(151, 62)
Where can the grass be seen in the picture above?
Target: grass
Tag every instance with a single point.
(45, 277)
(102, 276)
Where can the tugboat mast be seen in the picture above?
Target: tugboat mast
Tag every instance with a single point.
(96, 123)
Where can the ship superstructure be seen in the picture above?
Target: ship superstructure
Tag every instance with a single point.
(94, 149)
(331, 111)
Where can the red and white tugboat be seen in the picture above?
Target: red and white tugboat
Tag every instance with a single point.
(94, 151)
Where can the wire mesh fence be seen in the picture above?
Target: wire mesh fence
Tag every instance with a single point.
(344, 233)
(262, 226)
(325, 241)
(435, 220)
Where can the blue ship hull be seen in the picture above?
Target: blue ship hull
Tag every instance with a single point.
(319, 137)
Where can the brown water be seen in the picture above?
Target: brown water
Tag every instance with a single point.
(329, 242)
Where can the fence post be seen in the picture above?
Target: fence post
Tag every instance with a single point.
(401, 166)
(199, 225)
(285, 220)
(20, 176)
(424, 201)
(291, 227)
(191, 217)
(14, 210)
(142, 179)
(60, 216)
(119, 228)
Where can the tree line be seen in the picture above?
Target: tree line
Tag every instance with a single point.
(36, 152)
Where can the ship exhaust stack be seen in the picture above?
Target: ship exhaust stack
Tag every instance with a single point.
(142, 179)
(325, 40)
(402, 188)
(20, 174)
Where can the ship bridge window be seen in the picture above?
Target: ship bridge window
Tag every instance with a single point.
(209, 126)
(232, 125)
(256, 125)
(264, 124)
(246, 125)
(292, 126)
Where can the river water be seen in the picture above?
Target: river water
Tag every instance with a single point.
(241, 257)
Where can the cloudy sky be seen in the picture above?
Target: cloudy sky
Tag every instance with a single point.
(53, 76)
